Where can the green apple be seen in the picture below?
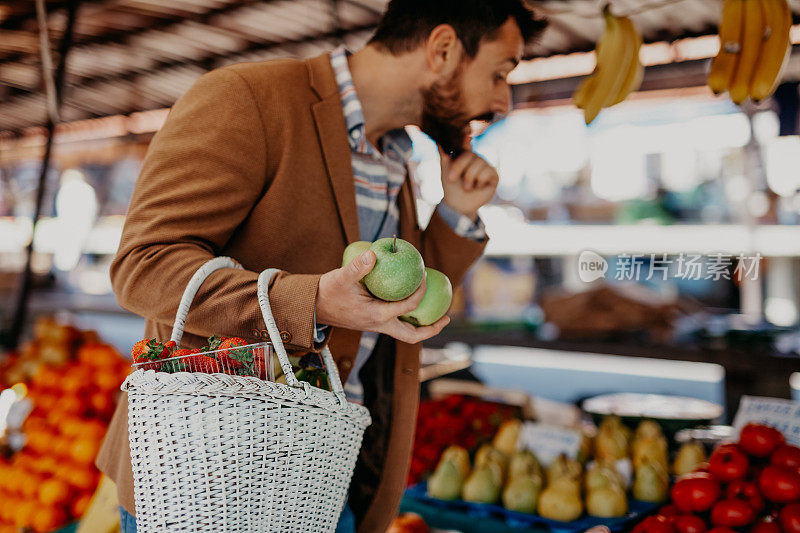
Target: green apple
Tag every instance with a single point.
(398, 270)
(353, 250)
(435, 303)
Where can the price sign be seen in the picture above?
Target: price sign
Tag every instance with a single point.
(783, 415)
(548, 442)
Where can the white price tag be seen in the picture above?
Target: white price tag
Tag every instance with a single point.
(783, 415)
(548, 442)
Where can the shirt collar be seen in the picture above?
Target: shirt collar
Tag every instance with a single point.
(396, 141)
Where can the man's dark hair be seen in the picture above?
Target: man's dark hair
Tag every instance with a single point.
(406, 23)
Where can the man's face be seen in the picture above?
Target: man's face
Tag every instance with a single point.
(477, 90)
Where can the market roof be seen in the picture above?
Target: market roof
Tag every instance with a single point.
(135, 55)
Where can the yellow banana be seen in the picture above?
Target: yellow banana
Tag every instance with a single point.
(610, 58)
(586, 86)
(583, 90)
(774, 50)
(730, 31)
(752, 38)
(635, 73)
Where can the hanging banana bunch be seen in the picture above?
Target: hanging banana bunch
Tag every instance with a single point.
(754, 48)
(618, 71)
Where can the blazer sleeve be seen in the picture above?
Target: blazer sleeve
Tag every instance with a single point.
(203, 172)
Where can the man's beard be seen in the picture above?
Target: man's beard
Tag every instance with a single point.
(443, 118)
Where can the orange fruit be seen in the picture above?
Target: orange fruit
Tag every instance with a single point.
(48, 519)
(54, 492)
(29, 486)
(107, 380)
(84, 450)
(79, 476)
(80, 505)
(23, 514)
(101, 403)
(45, 378)
(8, 507)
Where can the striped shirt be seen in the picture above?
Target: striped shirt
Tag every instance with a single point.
(378, 176)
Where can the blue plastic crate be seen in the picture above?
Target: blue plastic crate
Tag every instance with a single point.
(636, 511)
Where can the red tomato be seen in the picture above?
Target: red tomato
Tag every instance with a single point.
(695, 493)
(669, 510)
(779, 485)
(766, 525)
(760, 441)
(790, 518)
(732, 513)
(690, 524)
(747, 491)
(728, 463)
(787, 456)
(408, 523)
(721, 530)
(654, 524)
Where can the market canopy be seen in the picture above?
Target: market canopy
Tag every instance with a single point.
(136, 55)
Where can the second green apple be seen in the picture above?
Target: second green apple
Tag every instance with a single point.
(397, 271)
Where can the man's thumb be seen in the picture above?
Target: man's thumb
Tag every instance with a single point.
(360, 266)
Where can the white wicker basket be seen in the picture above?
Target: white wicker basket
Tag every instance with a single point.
(213, 452)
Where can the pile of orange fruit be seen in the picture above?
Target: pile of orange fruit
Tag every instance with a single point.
(51, 480)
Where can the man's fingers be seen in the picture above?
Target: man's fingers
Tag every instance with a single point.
(456, 168)
(472, 173)
(409, 334)
(359, 267)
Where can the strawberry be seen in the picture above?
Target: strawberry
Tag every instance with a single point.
(151, 350)
(202, 363)
(260, 368)
(232, 357)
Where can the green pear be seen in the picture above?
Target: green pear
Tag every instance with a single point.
(435, 302)
(398, 270)
(459, 457)
(489, 454)
(607, 502)
(353, 250)
(650, 449)
(445, 483)
(613, 439)
(481, 486)
(689, 457)
(651, 483)
(648, 429)
(563, 466)
(507, 435)
(560, 501)
(522, 494)
(524, 463)
(600, 476)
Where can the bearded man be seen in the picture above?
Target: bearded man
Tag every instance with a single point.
(282, 164)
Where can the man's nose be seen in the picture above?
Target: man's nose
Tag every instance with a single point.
(501, 104)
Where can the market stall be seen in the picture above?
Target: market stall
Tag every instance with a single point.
(621, 355)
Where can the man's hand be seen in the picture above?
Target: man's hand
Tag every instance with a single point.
(343, 302)
(468, 182)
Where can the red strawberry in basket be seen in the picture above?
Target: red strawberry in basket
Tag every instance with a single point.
(151, 350)
(231, 356)
(202, 363)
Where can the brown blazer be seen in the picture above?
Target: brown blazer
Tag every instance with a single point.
(253, 162)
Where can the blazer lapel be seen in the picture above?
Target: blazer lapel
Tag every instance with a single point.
(332, 134)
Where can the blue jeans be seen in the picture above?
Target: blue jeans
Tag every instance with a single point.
(347, 522)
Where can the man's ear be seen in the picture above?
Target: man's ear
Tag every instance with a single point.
(443, 50)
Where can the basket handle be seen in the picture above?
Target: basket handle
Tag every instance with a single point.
(191, 289)
(327, 359)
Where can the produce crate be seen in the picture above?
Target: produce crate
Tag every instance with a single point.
(637, 510)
